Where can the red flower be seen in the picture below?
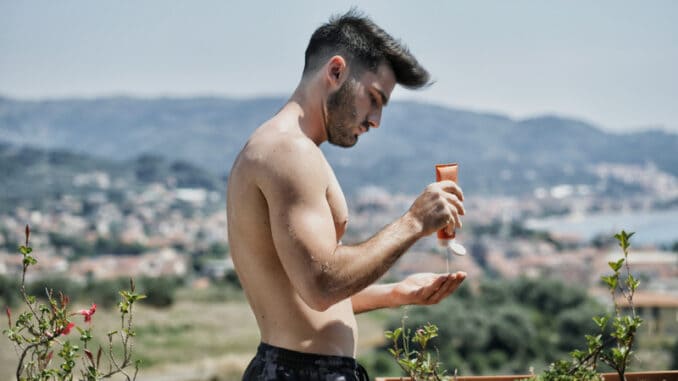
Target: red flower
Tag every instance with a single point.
(88, 313)
(9, 316)
(67, 329)
(61, 331)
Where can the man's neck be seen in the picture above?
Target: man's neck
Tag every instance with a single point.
(308, 103)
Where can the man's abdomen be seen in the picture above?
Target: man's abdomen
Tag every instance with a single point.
(300, 328)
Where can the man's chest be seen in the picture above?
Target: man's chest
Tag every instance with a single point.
(338, 206)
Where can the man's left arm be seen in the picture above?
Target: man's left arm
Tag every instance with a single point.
(418, 289)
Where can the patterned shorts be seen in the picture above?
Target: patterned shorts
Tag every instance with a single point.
(273, 363)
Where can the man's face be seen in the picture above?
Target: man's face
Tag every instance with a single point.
(357, 105)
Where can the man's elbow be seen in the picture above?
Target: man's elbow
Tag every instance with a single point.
(319, 305)
(320, 298)
(315, 300)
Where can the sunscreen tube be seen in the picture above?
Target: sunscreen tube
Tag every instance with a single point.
(445, 240)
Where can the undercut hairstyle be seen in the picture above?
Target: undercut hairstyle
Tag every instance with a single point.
(364, 45)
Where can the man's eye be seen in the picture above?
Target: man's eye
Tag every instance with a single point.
(373, 99)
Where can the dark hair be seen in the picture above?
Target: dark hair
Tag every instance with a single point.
(364, 45)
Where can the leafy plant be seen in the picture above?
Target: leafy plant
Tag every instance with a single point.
(417, 363)
(613, 349)
(42, 330)
(562, 370)
(616, 349)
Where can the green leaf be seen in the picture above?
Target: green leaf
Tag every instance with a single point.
(593, 341)
(577, 354)
(130, 332)
(135, 297)
(632, 283)
(615, 266)
(601, 321)
(85, 335)
(624, 239)
(618, 355)
(611, 281)
(29, 260)
(124, 307)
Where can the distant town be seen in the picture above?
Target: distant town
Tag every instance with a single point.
(162, 229)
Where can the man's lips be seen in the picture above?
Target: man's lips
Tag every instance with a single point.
(364, 128)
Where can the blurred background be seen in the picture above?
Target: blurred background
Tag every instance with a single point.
(119, 122)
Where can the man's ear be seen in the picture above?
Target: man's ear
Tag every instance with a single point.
(336, 71)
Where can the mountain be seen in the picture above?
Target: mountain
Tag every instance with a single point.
(32, 177)
(497, 155)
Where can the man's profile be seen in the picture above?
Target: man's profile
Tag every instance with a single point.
(287, 213)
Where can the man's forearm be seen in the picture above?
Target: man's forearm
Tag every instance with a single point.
(353, 268)
(374, 297)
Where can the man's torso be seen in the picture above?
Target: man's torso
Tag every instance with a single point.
(284, 319)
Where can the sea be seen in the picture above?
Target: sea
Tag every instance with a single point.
(655, 227)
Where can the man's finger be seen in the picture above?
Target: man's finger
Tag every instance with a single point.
(451, 187)
(456, 219)
(453, 222)
(452, 283)
(428, 286)
(444, 281)
(443, 291)
(438, 283)
(456, 203)
(447, 282)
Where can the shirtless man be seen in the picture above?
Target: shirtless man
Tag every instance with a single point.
(287, 213)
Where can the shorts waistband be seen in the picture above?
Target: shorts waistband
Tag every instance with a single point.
(291, 357)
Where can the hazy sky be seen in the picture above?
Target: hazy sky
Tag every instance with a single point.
(613, 63)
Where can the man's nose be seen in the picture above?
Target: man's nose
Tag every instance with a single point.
(374, 119)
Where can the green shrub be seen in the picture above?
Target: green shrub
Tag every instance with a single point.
(160, 291)
(507, 325)
(66, 286)
(40, 333)
(105, 292)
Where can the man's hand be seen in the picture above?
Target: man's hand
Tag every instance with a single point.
(422, 289)
(438, 206)
(426, 288)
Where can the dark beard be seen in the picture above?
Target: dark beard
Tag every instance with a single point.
(341, 116)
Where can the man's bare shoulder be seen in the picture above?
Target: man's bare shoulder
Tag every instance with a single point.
(277, 154)
(272, 145)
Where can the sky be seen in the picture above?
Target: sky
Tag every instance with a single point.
(610, 63)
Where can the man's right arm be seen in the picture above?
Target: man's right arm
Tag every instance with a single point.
(294, 181)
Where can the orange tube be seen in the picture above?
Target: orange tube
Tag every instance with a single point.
(446, 172)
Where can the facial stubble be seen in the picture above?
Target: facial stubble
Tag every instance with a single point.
(342, 116)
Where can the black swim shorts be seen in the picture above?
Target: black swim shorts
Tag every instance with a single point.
(273, 363)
